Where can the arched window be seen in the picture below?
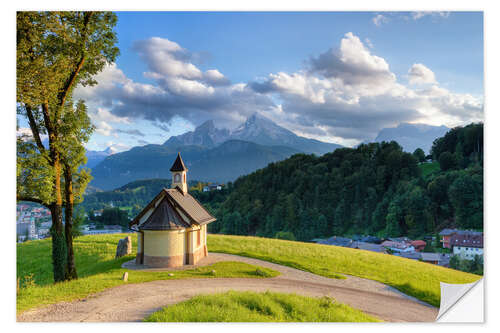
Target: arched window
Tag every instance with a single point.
(177, 178)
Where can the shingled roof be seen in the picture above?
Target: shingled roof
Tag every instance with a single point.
(175, 210)
(164, 217)
(178, 164)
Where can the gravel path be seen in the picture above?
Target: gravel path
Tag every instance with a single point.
(133, 302)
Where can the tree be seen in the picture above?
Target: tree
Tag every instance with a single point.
(447, 161)
(288, 235)
(56, 51)
(419, 155)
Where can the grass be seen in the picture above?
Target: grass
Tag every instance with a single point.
(98, 270)
(235, 306)
(412, 277)
(428, 168)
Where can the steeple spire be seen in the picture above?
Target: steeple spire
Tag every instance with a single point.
(179, 171)
(178, 164)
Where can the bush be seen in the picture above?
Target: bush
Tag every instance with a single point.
(288, 235)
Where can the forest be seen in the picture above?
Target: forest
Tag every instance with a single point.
(375, 188)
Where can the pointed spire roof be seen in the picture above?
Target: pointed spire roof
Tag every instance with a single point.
(178, 164)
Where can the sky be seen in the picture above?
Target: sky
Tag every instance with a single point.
(334, 76)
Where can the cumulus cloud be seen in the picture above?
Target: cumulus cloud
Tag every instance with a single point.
(348, 94)
(379, 19)
(345, 94)
(420, 74)
(180, 89)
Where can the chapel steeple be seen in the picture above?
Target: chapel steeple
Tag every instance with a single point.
(179, 171)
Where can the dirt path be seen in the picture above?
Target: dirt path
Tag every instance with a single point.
(133, 302)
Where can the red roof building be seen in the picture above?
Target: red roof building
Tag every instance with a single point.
(419, 245)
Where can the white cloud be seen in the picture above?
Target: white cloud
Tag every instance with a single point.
(369, 43)
(180, 89)
(379, 19)
(116, 147)
(420, 74)
(419, 15)
(346, 94)
(351, 93)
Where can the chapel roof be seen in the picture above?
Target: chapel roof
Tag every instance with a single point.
(178, 164)
(164, 217)
(173, 209)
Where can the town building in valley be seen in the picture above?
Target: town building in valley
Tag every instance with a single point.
(172, 228)
(464, 243)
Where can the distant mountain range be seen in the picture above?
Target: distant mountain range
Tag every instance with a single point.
(95, 157)
(412, 136)
(211, 154)
(220, 155)
(256, 129)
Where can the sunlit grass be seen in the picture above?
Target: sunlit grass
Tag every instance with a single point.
(99, 270)
(412, 277)
(246, 306)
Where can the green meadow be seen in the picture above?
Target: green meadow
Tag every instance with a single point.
(412, 277)
(98, 270)
(245, 306)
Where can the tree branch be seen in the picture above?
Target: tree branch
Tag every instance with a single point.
(34, 129)
(30, 199)
(69, 84)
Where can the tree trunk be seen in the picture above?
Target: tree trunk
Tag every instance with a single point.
(58, 242)
(68, 227)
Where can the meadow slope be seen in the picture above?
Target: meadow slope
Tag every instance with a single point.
(412, 277)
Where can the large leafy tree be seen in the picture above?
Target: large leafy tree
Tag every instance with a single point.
(56, 51)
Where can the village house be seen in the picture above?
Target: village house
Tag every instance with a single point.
(398, 245)
(467, 245)
(172, 228)
(419, 245)
(369, 247)
(464, 243)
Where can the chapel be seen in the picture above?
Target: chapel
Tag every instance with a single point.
(172, 228)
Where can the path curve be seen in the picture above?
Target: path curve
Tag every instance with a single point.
(134, 302)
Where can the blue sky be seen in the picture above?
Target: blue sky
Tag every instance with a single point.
(335, 76)
(245, 45)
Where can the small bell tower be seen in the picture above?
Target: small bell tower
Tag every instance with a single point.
(179, 171)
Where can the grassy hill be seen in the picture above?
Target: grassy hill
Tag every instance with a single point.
(412, 277)
(98, 269)
(247, 306)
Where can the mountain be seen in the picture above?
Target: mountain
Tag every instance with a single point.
(412, 136)
(95, 157)
(204, 135)
(257, 129)
(222, 163)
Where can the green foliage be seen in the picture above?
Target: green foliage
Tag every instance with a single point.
(419, 154)
(113, 216)
(374, 188)
(447, 161)
(412, 277)
(99, 270)
(285, 235)
(248, 306)
(471, 266)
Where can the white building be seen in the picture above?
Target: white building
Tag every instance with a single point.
(467, 252)
(467, 244)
